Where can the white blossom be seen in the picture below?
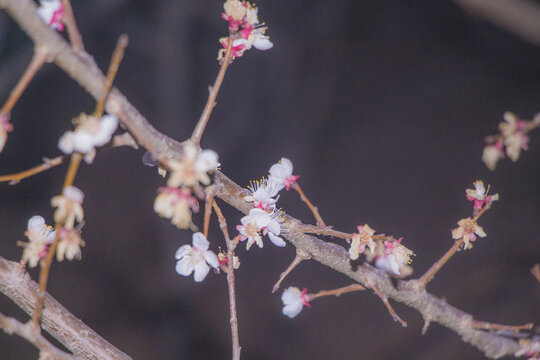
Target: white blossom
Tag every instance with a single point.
(68, 206)
(40, 236)
(252, 225)
(281, 174)
(273, 229)
(294, 301)
(193, 167)
(262, 194)
(196, 258)
(52, 13)
(89, 133)
(69, 245)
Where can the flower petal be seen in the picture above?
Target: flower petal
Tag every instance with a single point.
(201, 270)
(200, 242)
(276, 240)
(211, 258)
(182, 251)
(185, 266)
(292, 310)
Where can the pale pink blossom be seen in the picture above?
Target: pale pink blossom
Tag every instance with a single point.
(5, 127)
(90, 132)
(262, 193)
(294, 301)
(193, 167)
(69, 244)
(223, 259)
(274, 228)
(177, 205)
(281, 174)
(52, 13)
(252, 225)
(479, 195)
(40, 236)
(196, 258)
(361, 240)
(68, 206)
(395, 256)
(467, 230)
(492, 154)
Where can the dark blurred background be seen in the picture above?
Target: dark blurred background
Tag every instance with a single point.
(381, 105)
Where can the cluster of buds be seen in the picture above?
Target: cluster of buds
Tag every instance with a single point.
(176, 200)
(90, 132)
(52, 13)
(513, 137)
(5, 127)
(388, 253)
(244, 29)
(264, 218)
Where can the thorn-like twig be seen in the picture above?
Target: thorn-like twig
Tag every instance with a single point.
(425, 327)
(300, 256)
(314, 210)
(491, 326)
(46, 165)
(75, 37)
(338, 291)
(210, 194)
(391, 310)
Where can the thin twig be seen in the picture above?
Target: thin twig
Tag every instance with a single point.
(39, 58)
(46, 165)
(313, 209)
(231, 245)
(428, 275)
(73, 32)
(337, 292)
(210, 193)
(32, 334)
(327, 230)
(211, 102)
(391, 310)
(300, 256)
(491, 326)
(116, 59)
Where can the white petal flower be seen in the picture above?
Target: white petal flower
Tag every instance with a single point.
(52, 13)
(89, 133)
(177, 205)
(281, 174)
(196, 258)
(252, 225)
(395, 258)
(69, 245)
(273, 229)
(262, 193)
(193, 167)
(260, 41)
(40, 236)
(294, 301)
(68, 206)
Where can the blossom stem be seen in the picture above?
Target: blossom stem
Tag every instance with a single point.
(300, 256)
(210, 194)
(391, 310)
(327, 230)
(313, 209)
(339, 291)
(536, 272)
(46, 165)
(428, 275)
(211, 102)
(38, 59)
(116, 59)
(75, 37)
(46, 266)
(231, 245)
(490, 326)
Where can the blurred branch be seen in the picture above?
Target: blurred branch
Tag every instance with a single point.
(411, 293)
(521, 17)
(56, 319)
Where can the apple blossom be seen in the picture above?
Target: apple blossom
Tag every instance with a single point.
(273, 229)
(281, 174)
(294, 301)
(193, 167)
(492, 154)
(252, 225)
(361, 240)
(40, 236)
(479, 195)
(52, 12)
(68, 206)
(196, 258)
(467, 230)
(90, 132)
(395, 257)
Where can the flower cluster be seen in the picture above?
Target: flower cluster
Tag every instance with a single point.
(389, 254)
(90, 132)
(196, 258)
(244, 27)
(294, 301)
(40, 236)
(479, 195)
(264, 218)
(5, 127)
(176, 201)
(52, 12)
(68, 210)
(513, 136)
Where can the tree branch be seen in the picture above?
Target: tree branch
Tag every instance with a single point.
(411, 293)
(56, 319)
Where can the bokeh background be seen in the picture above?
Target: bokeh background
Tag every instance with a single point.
(381, 105)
